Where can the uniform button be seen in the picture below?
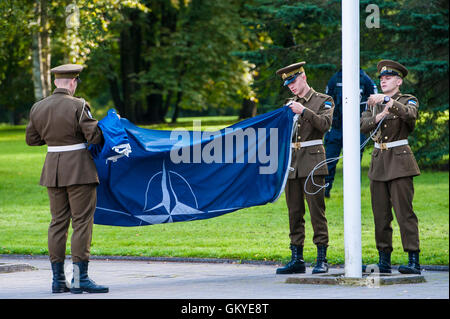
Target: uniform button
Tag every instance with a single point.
(385, 125)
(299, 137)
(385, 137)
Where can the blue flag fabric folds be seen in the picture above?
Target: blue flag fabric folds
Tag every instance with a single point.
(174, 176)
(116, 144)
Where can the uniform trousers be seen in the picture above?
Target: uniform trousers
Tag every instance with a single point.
(397, 194)
(76, 203)
(295, 198)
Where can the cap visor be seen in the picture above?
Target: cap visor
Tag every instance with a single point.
(289, 81)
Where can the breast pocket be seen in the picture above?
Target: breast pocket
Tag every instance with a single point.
(316, 153)
(316, 149)
(402, 151)
(404, 157)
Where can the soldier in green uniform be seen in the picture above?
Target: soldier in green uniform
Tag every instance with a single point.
(393, 165)
(66, 125)
(315, 112)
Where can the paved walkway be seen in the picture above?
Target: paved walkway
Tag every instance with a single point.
(177, 280)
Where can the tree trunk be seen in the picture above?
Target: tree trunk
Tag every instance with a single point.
(248, 109)
(130, 63)
(37, 74)
(45, 49)
(177, 107)
(115, 93)
(154, 104)
(127, 69)
(136, 40)
(41, 52)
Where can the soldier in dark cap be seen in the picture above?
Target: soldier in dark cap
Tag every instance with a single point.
(315, 112)
(393, 165)
(334, 138)
(66, 125)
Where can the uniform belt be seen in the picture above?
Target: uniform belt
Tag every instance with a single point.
(66, 148)
(298, 145)
(385, 146)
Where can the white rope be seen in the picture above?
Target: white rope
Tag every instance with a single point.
(329, 160)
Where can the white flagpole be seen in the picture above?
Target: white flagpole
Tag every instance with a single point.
(351, 161)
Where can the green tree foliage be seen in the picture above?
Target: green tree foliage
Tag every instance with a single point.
(284, 32)
(16, 89)
(417, 33)
(192, 64)
(154, 58)
(412, 32)
(173, 55)
(76, 29)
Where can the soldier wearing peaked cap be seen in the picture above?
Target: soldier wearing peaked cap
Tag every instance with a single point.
(393, 165)
(315, 116)
(66, 125)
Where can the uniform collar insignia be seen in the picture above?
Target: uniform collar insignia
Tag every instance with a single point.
(308, 94)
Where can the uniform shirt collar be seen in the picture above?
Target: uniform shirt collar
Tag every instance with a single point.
(396, 95)
(308, 95)
(62, 90)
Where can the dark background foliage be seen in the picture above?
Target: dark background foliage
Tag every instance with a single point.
(158, 60)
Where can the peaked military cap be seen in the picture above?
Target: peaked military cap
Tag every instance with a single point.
(67, 71)
(389, 67)
(289, 73)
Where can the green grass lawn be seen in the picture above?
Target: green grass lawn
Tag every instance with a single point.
(258, 233)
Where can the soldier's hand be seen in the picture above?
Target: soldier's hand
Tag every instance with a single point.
(375, 98)
(296, 107)
(382, 114)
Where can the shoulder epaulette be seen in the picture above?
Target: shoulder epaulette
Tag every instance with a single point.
(322, 95)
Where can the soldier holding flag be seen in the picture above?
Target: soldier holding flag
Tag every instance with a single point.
(315, 115)
(66, 125)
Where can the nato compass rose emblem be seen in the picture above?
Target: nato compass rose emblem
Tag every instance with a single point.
(169, 196)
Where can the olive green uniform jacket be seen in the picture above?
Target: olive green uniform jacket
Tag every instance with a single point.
(60, 120)
(311, 125)
(389, 164)
(391, 173)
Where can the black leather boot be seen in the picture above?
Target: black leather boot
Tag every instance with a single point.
(81, 281)
(59, 278)
(384, 264)
(413, 266)
(296, 265)
(321, 265)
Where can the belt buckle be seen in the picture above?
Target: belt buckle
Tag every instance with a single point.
(296, 145)
(383, 146)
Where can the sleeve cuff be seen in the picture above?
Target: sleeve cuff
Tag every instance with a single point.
(370, 123)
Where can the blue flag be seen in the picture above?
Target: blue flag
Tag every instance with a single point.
(155, 176)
